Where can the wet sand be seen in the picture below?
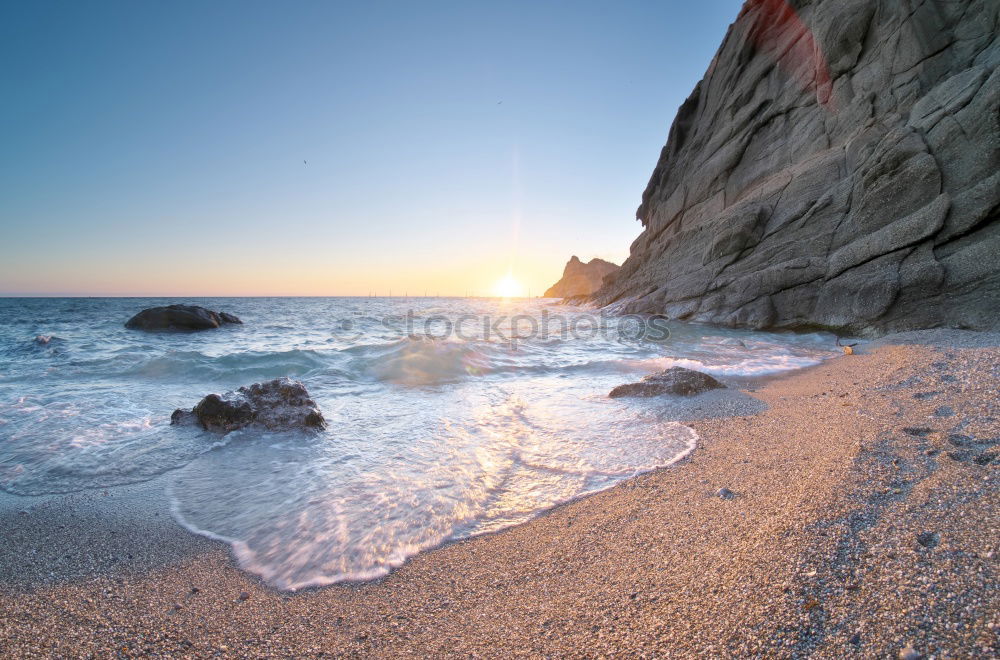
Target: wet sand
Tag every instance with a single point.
(860, 520)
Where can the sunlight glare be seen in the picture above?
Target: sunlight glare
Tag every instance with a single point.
(508, 287)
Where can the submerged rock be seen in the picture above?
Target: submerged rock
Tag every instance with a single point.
(676, 380)
(38, 345)
(278, 405)
(48, 343)
(180, 317)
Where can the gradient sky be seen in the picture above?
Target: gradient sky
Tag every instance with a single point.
(156, 148)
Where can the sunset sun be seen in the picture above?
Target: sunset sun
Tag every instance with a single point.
(508, 287)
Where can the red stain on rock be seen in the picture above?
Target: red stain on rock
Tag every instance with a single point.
(780, 31)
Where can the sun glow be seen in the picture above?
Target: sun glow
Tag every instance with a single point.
(508, 287)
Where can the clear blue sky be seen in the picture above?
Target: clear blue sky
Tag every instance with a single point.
(157, 147)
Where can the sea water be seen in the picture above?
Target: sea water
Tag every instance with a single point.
(446, 417)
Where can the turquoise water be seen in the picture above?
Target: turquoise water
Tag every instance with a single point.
(432, 435)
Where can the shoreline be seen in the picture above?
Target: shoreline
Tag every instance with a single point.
(816, 553)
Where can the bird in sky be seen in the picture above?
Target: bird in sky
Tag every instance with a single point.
(304, 163)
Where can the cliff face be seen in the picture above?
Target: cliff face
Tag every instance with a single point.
(838, 166)
(581, 279)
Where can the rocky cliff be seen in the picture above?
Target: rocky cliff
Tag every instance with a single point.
(838, 166)
(581, 279)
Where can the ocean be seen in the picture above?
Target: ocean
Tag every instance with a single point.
(447, 417)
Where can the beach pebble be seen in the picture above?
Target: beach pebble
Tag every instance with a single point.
(908, 653)
(725, 494)
(244, 596)
(928, 539)
(985, 458)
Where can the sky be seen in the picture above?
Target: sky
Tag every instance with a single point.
(330, 148)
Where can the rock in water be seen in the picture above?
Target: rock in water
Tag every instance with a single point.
(278, 405)
(838, 166)
(581, 279)
(179, 317)
(677, 380)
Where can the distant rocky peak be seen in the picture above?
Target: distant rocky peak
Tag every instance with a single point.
(581, 279)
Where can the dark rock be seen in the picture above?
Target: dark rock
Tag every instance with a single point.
(917, 431)
(676, 380)
(244, 596)
(179, 318)
(944, 411)
(928, 539)
(725, 494)
(278, 405)
(581, 279)
(920, 396)
(985, 458)
(843, 173)
(960, 440)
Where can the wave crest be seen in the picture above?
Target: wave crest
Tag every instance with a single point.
(420, 361)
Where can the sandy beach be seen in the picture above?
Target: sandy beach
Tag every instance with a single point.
(858, 519)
